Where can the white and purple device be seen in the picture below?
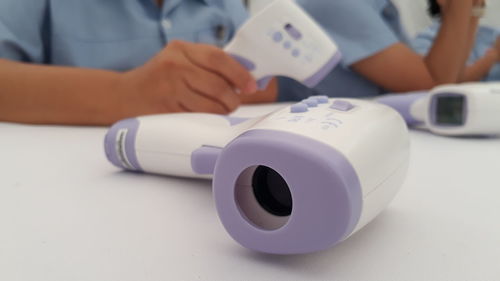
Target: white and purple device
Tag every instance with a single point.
(297, 180)
(283, 40)
(471, 109)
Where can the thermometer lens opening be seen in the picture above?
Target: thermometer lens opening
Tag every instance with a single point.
(272, 191)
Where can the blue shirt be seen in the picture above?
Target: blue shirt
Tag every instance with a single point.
(485, 39)
(123, 34)
(113, 34)
(361, 28)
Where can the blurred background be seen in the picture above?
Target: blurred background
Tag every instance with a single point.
(414, 13)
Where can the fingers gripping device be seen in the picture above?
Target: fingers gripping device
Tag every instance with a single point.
(283, 40)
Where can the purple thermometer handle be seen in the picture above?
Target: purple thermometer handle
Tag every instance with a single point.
(250, 66)
(310, 82)
(402, 103)
(204, 159)
(317, 77)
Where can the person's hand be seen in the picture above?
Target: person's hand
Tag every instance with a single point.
(475, 3)
(186, 77)
(462, 8)
(497, 47)
(492, 54)
(479, 3)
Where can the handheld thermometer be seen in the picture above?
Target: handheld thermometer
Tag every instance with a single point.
(283, 40)
(471, 109)
(297, 180)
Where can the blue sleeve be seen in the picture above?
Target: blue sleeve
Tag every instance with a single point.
(357, 26)
(237, 11)
(494, 74)
(423, 42)
(23, 30)
(291, 90)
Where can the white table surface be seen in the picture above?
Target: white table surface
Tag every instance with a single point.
(67, 214)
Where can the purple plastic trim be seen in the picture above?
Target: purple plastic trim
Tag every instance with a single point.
(402, 103)
(204, 158)
(326, 192)
(263, 82)
(433, 109)
(248, 64)
(317, 77)
(132, 125)
(235, 120)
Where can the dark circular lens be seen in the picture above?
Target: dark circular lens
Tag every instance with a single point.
(272, 192)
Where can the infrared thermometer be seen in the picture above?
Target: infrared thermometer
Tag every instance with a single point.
(283, 40)
(297, 180)
(471, 109)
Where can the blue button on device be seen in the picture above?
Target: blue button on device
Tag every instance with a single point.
(277, 36)
(299, 108)
(320, 99)
(342, 105)
(310, 102)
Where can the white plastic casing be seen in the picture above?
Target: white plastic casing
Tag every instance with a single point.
(265, 41)
(482, 112)
(164, 143)
(373, 137)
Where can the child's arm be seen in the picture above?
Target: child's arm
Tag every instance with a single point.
(472, 33)
(183, 77)
(46, 94)
(400, 69)
(480, 69)
(266, 96)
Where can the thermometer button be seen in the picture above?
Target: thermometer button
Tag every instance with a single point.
(299, 108)
(277, 37)
(320, 99)
(342, 105)
(311, 102)
(293, 31)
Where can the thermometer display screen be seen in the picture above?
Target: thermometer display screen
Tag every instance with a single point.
(450, 110)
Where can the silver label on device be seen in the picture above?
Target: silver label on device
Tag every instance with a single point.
(121, 137)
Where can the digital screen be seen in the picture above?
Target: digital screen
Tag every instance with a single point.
(450, 110)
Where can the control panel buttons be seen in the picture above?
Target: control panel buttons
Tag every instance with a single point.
(287, 45)
(311, 102)
(295, 53)
(320, 99)
(293, 31)
(299, 108)
(277, 37)
(342, 105)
